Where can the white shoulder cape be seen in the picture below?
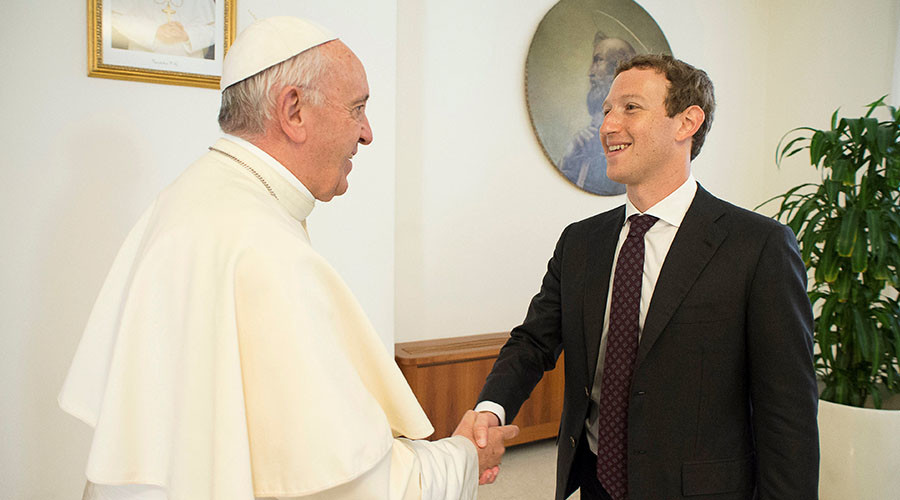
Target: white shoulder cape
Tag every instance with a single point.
(225, 358)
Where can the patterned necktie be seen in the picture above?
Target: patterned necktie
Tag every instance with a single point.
(621, 351)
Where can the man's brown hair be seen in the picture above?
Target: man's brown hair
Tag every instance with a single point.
(687, 86)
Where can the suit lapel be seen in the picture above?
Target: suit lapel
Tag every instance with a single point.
(696, 242)
(600, 253)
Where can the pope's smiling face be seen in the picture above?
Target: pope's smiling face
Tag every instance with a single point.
(339, 124)
(638, 137)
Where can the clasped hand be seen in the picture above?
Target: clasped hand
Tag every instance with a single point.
(485, 431)
(172, 32)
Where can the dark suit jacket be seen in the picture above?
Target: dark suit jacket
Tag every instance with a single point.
(723, 399)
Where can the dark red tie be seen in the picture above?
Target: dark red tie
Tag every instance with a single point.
(621, 351)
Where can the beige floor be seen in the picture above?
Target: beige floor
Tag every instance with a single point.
(528, 473)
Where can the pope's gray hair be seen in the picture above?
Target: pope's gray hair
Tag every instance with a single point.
(248, 106)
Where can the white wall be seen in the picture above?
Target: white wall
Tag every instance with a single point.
(84, 156)
(479, 208)
(476, 205)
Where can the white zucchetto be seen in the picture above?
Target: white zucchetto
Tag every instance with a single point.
(268, 42)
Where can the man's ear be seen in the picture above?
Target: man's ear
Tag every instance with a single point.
(691, 119)
(291, 114)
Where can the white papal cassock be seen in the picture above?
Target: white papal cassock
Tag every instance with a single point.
(225, 359)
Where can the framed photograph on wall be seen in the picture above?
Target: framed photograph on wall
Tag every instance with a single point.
(177, 42)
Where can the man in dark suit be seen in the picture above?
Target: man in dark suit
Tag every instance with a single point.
(684, 319)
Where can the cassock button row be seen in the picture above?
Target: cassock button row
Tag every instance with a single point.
(572, 440)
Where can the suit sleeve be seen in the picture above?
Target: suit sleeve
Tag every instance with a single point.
(533, 347)
(783, 389)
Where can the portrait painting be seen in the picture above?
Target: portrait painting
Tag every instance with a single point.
(181, 42)
(568, 72)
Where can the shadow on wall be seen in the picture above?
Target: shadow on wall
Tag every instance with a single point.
(98, 171)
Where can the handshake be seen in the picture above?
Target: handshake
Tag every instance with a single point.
(485, 431)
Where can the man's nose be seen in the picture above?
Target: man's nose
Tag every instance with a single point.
(365, 135)
(609, 124)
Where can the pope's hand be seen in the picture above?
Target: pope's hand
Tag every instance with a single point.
(492, 437)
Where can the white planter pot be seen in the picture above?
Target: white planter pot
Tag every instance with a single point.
(860, 453)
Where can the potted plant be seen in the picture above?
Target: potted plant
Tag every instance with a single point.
(847, 228)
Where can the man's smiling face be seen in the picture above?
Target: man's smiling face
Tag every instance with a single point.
(638, 137)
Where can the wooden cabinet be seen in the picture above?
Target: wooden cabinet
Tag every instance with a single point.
(447, 374)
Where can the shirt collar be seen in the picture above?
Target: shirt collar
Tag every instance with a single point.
(275, 164)
(672, 208)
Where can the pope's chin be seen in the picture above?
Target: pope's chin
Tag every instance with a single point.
(342, 186)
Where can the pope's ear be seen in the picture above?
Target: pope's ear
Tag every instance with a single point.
(691, 119)
(291, 114)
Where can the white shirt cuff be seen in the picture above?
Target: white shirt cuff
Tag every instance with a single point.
(493, 408)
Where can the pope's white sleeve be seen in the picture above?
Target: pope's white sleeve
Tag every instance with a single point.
(447, 468)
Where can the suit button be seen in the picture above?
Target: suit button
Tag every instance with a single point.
(572, 441)
(641, 393)
(642, 452)
(587, 392)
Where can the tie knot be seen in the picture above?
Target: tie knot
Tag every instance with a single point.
(640, 224)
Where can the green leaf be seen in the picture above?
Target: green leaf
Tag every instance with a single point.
(876, 235)
(828, 394)
(889, 323)
(802, 214)
(848, 233)
(844, 286)
(832, 188)
(855, 128)
(817, 147)
(876, 396)
(842, 391)
(893, 324)
(780, 150)
(839, 169)
(874, 105)
(876, 355)
(811, 236)
(871, 136)
(829, 264)
(868, 340)
(883, 141)
(859, 261)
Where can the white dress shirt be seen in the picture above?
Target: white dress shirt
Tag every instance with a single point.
(670, 211)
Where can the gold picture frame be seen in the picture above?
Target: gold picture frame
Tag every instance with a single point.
(123, 45)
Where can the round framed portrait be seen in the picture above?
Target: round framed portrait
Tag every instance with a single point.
(570, 66)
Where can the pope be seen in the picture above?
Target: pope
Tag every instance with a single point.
(224, 358)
